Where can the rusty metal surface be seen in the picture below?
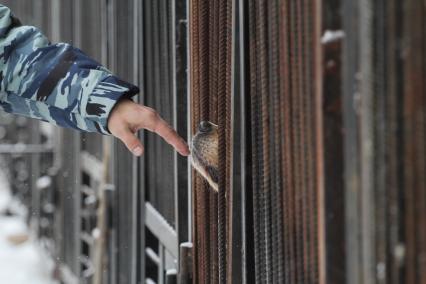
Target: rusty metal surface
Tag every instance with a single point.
(213, 116)
(285, 107)
(224, 122)
(200, 103)
(213, 17)
(276, 228)
(210, 40)
(194, 94)
(414, 163)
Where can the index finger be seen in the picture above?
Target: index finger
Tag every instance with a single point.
(163, 129)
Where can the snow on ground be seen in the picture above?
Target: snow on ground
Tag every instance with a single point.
(24, 262)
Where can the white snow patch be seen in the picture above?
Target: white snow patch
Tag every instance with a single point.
(332, 36)
(5, 196)
(24, 263)
(20, 263)
(44, 182)
(96, 233)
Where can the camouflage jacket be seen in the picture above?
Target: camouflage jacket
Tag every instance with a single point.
(56, 83)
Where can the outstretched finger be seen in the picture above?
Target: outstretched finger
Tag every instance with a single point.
(163, 129)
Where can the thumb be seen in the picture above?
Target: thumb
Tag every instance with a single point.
(132, 143)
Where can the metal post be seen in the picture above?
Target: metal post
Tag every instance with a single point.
(185, 264)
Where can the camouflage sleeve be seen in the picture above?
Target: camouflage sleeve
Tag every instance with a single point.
(56, 83)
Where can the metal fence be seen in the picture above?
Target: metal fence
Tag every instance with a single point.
(321, 113)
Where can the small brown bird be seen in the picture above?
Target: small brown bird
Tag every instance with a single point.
(204, 152)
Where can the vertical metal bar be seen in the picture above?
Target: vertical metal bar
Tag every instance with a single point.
(224, 91)
(286, 144)
(189, 124)
(133, 9)
(351, 97)
(180, 105)
(276, 189)
(140, 20)
(237, 211)
(243, 124)
(185, 263)
(134, 58)
(55, 20)
(76, 147)
(318, 153)
(254, 132)
(111, 62)
(213, 51)
(161, 265)
(76, 200)
(367, 143)
(176, 190)
(203, 194)
(380, 63)
(414, 129)
(193, 119)
(333, 141)
(134, 223)
(394, 266)
(104, 31)
(171, 277)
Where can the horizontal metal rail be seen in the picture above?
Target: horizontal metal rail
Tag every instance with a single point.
(161, 229)
(25, 148)
(91, 165)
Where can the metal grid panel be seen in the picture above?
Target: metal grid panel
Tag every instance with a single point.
(158, 89)
(164, 88)
(266, 25)
(121, 24)
(285, 130)
(211, 51)
(68, 180)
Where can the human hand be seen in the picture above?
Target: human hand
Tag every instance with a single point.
(127, 117)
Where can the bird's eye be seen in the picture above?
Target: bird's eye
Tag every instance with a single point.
(205, 126)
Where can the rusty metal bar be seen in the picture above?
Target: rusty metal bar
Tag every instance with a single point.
(351, 145)
(286, 122)
(332, 41)
(254, 100)
(195, 110)
(203, 50)
(414, 162)
(275, 144)
(228, 134)
(213, 116)
(287, 145)
(185, 263)
(224, 107)
(211, 92)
